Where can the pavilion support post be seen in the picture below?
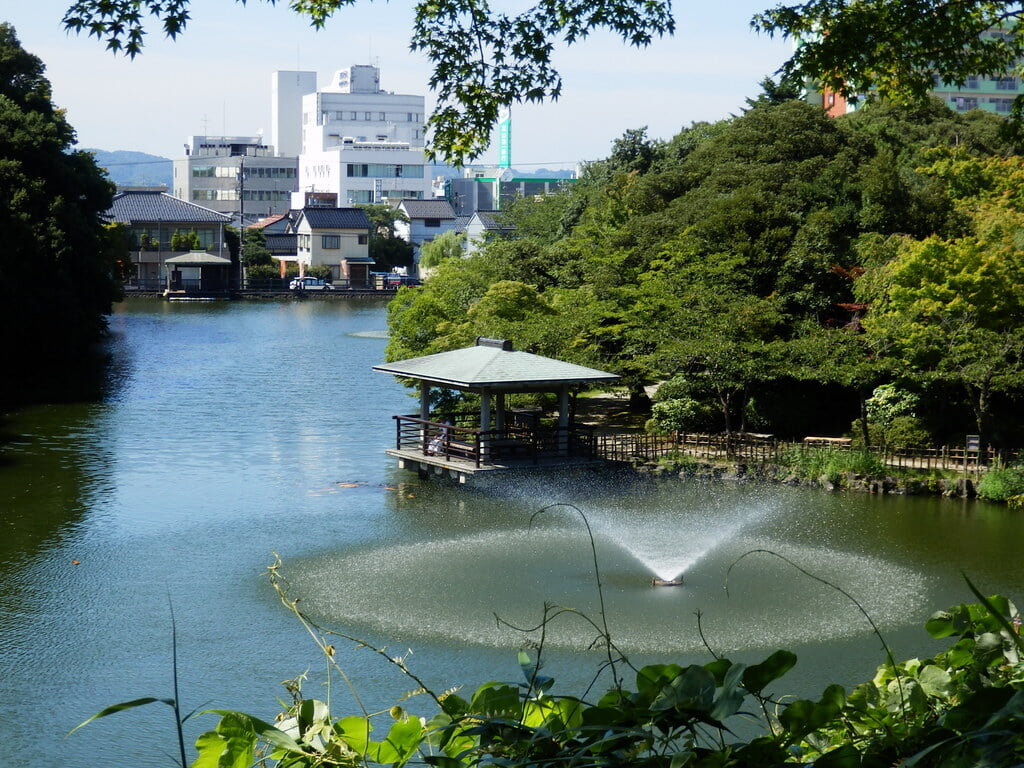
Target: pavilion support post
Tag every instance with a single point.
(424, 413)
(563, 420)
(499, 413)
(485, 421)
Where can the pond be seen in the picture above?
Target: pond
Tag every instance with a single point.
(231, 433)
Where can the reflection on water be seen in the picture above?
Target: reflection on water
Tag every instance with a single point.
(231, 431)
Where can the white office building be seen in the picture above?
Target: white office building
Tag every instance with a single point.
(360, 142)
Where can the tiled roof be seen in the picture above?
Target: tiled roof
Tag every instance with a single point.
(336, 218)
(145, 206)
(461, 222)
(489, 221)
(268, 221)
(278, 243)
(492, 366)
(427, 209)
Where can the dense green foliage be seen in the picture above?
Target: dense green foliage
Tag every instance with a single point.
(774, 268)
(1002, 483)
(254, 251)
(964, 706)
(815, 463)
(895, 50)
(447, 245)
(60, 267)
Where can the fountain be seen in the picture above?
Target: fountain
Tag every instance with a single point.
(676, 582)
(450, 588)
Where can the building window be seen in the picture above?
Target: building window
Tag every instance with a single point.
(408, 117)
(382, 116)
(366, 115)
(332, 242)
(1003, 106)
(364, 239)
(1006, 83)
(383, 170)
(964, 103)
(432, 223)
(971, 82)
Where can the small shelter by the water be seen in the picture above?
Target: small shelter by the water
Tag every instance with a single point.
(198, 272)
(496, 437)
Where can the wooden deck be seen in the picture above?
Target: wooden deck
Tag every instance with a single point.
(464, 470)
(461, 452)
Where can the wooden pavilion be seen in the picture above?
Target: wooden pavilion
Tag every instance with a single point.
(495, 438)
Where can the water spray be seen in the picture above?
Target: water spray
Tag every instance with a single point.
(676, 582)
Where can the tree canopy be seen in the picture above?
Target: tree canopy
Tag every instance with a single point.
(60, 266)
(774, 268)
(896, 50)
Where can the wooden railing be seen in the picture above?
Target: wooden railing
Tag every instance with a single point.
(765, 449)
(453, 441)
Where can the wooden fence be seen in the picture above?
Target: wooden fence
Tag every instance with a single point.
(768, 450)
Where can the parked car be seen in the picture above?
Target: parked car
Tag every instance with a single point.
(309, 284)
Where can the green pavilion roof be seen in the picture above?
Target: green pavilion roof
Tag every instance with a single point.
(493, 364)
(198, 259)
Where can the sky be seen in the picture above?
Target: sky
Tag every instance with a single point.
(215, 78)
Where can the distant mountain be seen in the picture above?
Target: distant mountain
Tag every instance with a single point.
(547, 173)
(134, 169)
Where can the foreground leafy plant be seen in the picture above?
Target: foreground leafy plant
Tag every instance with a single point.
(962, 707)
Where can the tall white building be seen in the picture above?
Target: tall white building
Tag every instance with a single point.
(286, 92)
(360, 142)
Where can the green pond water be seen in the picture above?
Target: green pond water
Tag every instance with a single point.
(229, 432)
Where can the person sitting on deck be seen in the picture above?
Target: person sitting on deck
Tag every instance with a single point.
(439, 439)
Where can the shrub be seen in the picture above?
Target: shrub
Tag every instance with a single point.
(1002, 483)
(677, 462)
(320, 270)
(677, 415)
(263, 272)
(902, 432)
(812, 463)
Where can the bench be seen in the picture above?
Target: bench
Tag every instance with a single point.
(827, 440)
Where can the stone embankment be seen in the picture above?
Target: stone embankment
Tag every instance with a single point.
(960, 487)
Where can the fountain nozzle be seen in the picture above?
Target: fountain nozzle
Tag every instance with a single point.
(676, 582)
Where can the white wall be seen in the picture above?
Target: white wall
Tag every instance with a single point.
(286, 91)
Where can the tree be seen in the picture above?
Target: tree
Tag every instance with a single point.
(954, 310)
(896, 50)
(447, 245)
(387, 249)
(774, 93)
(59, 267)
(633, 152)
(483, 59)
(255, 252)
